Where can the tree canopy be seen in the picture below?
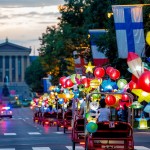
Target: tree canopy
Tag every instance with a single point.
(72, 34)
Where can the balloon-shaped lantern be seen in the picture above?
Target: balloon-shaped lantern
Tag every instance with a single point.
(91, 127)
(133, 85)
(144, 81)
(121, 83)
(99, 72)
(86, 82)
(69, 83)
(125, 97)
(62, 80)
(114, 74)
(110, 100)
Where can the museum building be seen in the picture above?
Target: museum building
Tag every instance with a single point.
(14, 59)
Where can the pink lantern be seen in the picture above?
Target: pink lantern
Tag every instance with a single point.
(110, 100)
(144, 81)
(99, 72)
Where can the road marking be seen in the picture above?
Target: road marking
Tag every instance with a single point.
(77, 148)
(41, 148)
(34, 133)
(59, 132)
(141, 148)
(7, 148)
(9, 133)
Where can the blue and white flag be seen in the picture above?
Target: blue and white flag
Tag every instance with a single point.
(129, 29)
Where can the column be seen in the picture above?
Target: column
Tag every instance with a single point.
(28, 61)
(22, 69)
(3, 68)
(10, 68)
(16, 64)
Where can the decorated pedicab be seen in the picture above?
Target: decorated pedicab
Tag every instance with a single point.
(106, 82)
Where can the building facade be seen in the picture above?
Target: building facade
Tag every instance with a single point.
(14, 60)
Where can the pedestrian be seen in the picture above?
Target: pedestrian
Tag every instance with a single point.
(104, 112)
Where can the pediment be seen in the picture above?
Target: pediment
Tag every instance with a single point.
(7, 46)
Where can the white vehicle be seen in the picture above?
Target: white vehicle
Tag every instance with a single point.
(5, 111)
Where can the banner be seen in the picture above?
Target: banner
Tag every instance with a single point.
(129, 29)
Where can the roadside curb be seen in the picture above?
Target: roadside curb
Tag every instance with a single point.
(141, 130)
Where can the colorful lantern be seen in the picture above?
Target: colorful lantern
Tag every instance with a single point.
(99, 72)
(114, 74)
(144, 81)
(135, 64)
(143, 123)
(62, 80)
(110, 100)
(95, 83)
(121, 83)
(91, 127)
(69, 83)
(148, 38)
(142, 95)
(133, 85)
(89, 68)
(108, 70)
(147, 108)
(94, 105)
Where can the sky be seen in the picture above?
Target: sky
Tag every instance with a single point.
(24, 21)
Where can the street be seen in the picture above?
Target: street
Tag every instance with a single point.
(20, 133)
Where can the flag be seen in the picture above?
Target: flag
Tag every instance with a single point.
(98, 57)
(129, 29)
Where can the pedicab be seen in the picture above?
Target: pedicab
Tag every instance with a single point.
(108, 134)
(49, 118)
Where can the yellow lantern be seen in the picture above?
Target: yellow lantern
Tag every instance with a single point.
(94, 83)
(142, 123)
(148, 38)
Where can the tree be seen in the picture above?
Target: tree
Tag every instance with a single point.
(5, 91)
(34, 74)
(77, 17)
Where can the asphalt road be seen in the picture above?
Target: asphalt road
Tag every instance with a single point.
(20, 133)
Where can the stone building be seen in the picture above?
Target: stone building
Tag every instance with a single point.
(14, 59)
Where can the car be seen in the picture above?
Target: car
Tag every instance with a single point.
(5, 111)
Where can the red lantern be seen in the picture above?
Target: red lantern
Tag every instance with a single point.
(133, 85)
(62, 80)
(144, 81)
(125, 97)
(69, 83)
(99, 72)
(86, 82)
(114, 74)
(109, 69)
(110, 100)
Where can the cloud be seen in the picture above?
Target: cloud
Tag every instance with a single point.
(24, 21)
(29, 3)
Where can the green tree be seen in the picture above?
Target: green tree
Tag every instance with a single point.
(5, 91)
(34, 74)
(77, 17)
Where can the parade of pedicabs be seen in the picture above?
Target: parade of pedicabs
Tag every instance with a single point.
(101, 110)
